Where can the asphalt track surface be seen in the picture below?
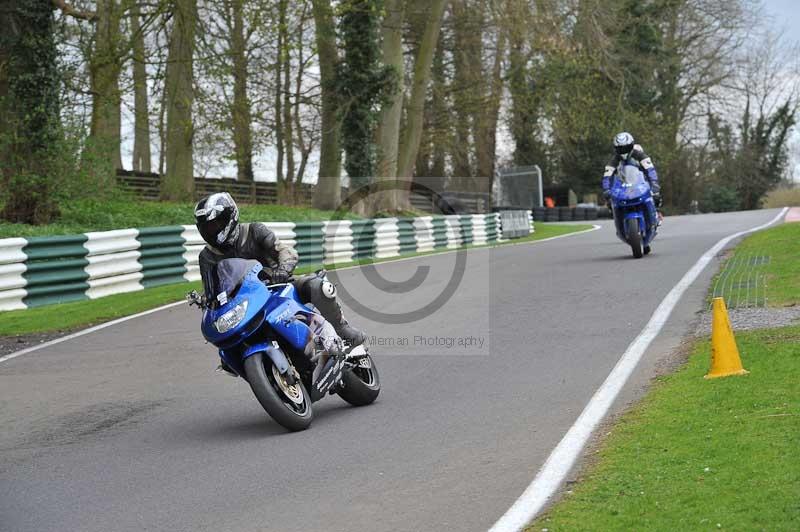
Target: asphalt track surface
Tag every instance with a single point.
(129, 428)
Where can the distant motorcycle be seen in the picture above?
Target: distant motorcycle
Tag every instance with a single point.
(288, 353)
(635, 215)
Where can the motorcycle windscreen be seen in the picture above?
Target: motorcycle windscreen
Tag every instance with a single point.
(230, 273)
(633, 182)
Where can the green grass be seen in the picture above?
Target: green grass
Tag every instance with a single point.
(89, 215)
(701, 455)
(69, 316)
(781, 245)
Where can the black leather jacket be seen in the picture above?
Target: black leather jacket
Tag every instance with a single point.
(254, 241)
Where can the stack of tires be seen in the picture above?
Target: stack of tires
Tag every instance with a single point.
(565, 214)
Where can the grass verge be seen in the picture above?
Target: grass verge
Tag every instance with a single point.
(772, 253)
(701, 455)
(81, 216)
(79, 314)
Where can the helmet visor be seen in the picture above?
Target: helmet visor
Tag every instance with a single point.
(623, 150)
(211, 229)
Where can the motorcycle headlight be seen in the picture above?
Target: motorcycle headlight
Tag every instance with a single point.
(232, 318)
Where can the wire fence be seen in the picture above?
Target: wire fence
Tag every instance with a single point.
(742, 281)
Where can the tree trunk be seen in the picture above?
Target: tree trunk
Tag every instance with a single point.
(29, 111)
(485, 122)
(392, 111)
(327, 194)
(416, 105)
(178, 183)
(288, 134)
(240, 112)
(279, 131)
(141, 137)
(104, 70)
(440, 120)
(466, 61)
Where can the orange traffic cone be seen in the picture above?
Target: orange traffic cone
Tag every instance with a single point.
(725, 359)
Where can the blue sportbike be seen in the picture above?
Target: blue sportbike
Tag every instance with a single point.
(288, 353)
(635, 215)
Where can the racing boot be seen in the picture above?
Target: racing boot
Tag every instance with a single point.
(332, 311)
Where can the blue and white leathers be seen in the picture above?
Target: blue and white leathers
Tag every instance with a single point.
(632, 199)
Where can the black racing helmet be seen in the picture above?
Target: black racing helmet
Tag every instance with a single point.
(217, 219)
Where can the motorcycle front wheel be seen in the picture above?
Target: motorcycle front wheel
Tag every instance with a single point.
(289, 405)
(361, 385)
(634, 237)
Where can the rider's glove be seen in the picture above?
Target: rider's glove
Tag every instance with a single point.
(606, 194)
(279, 276)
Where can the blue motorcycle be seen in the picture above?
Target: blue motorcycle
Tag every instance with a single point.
(288, 353)
(635, 215)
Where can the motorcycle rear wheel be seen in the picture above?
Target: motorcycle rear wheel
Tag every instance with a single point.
(361, 385)
(291, 409)
(634, 237)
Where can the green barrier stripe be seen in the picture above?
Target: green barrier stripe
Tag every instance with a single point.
(55, 299)
(55, 269)
(363, 238)
(38, 296)
(161, 262)
(55, 247)
(167, 275)
(491, 228)
(309, 237)
(439, 233)
(162, 252)
(48, 265)
(465, 221)
(406, 235)
(162, 255)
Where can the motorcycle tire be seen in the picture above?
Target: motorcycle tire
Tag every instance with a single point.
(361, 386)
(280, 407)
(634, 237)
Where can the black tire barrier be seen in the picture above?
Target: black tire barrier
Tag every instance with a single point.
(551, 215)
(565, 214)
(603, 212)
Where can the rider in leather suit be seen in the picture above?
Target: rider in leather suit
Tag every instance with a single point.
(626, 151)
(217, 219)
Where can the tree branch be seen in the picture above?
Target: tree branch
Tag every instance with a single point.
(72, 12)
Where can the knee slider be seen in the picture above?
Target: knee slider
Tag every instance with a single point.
(328, 289)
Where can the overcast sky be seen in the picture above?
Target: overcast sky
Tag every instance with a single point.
(786, 14)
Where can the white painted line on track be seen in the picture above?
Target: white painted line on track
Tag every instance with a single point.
(170, 305)
(566, 453)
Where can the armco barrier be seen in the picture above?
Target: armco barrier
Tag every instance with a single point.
(45, 270)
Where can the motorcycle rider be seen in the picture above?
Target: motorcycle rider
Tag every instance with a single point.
(627, 152)
(217, 220)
